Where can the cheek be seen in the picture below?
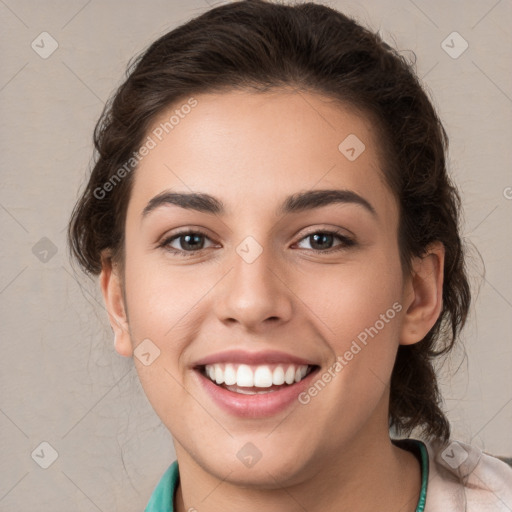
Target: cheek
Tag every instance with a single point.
(361, 318)
(355, 298)
(160, 307)
(160, 298)
(360, 311)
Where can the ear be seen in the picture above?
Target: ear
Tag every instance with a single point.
(423, 295)
(111, 288)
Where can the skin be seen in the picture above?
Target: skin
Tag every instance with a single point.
(252, 150)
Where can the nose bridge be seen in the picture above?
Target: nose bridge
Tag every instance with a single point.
(254, 291)
(253, 243)
(254, 268)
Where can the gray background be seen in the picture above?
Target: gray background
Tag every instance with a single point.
(61, 381)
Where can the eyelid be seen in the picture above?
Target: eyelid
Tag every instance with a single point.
(342, 232)
(167, 239)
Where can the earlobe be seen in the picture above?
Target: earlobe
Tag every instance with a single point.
(111, 288)
(423, 295)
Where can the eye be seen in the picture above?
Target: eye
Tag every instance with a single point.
(190, 242)
(320, 239)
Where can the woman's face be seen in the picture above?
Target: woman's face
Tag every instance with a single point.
(265, 286)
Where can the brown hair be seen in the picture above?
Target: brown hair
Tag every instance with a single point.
(259, 45)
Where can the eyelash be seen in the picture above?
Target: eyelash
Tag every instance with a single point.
(346, 242)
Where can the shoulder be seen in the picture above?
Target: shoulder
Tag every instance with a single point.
(464, 478)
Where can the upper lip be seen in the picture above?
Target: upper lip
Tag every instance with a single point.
(252, 358)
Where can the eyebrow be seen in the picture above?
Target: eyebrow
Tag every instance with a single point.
(296, 203)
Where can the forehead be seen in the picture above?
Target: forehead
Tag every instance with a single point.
(256, 148)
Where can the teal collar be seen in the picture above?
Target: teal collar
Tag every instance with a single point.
(419, 449)
(162, 499)
(424, 476)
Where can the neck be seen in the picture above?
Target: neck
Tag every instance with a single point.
(370, 474)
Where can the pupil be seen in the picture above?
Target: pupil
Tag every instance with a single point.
(187, 240)
(323, 235)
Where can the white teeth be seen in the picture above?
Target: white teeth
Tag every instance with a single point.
(219, 375)
(244, 376)
(278, 376)
(300, 373)
(289, 376)
(229, 375)
(261, 376)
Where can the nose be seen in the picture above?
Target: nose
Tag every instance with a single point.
(256, 293)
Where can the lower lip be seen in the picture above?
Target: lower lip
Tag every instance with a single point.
(254, 406)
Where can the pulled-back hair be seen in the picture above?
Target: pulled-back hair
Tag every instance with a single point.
(259, 46)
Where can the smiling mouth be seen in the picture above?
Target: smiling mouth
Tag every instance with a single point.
(255, 379)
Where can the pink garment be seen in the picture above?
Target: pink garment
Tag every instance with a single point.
(462, 478)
